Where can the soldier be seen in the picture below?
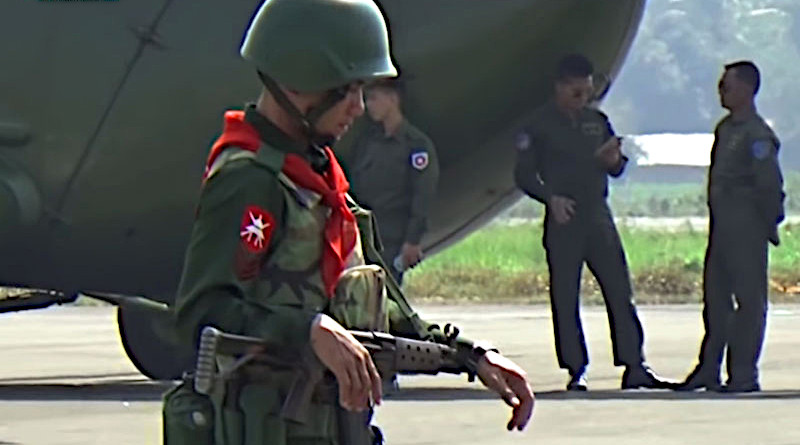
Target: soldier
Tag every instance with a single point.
(395, 174)
(275, 230)
(564, 159)
(745, 200)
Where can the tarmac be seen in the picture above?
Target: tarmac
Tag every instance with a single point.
(65, 380)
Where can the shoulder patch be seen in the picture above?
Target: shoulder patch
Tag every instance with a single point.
(419, 159)
(523, 141)
(256, 229)
(762, 149)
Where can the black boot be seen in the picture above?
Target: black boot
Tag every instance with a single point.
(641, 376)
(700, 378)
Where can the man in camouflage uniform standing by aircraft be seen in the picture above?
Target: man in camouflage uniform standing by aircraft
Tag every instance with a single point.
(745, 198)
(276, 234)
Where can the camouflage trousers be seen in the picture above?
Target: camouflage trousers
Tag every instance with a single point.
(250, 415)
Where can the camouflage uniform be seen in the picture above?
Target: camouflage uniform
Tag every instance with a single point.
(255, 265)
(276, 293)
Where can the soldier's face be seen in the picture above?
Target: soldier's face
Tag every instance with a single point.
(574, 92)
(733, 93)
(337, 120)
(380, 102)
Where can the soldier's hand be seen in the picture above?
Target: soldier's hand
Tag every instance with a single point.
(609, 153)
(563, 209)
(348, 360)
(412, 254)
(506, 378)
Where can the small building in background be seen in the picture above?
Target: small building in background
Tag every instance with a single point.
(668, 158)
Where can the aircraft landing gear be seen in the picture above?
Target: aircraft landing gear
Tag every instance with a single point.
(150, 343)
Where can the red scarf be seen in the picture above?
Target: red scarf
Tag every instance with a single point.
(340, 227)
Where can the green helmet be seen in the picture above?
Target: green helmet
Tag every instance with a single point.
(318, 45)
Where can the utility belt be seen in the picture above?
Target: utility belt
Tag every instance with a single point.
(220, 418)
(325, 393)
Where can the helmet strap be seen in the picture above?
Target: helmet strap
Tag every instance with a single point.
(317, 157)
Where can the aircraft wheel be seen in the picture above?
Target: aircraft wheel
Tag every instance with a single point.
(153, 354)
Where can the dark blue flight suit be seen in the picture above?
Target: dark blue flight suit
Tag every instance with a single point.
(557, 157)
(745, 199)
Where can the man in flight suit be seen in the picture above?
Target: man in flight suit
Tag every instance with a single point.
(564, 159)
(745, 199)
(395, 174)
(275, 230)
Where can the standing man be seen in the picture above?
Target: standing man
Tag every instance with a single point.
(564, 159)
(275, 231)
(395, 175)
(745, 199)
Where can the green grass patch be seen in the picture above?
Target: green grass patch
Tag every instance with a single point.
(506, 263)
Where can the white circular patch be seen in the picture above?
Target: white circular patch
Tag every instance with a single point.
(419, 160)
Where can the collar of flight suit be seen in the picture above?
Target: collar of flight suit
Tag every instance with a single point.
(559, 115)
(401, 134)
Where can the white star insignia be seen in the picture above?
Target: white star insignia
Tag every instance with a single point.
(253, 234)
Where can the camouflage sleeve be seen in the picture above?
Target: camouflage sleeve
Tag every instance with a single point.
(403, 319)
(424, 177)
(527, 173)
(768, 178)
(223, 259)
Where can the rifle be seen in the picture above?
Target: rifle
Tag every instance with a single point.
(390, 354)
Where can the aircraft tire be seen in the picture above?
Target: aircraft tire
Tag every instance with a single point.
(154, 356)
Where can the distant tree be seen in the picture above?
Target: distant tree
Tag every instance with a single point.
(678, 55)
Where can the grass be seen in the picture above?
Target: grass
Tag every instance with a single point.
(506, 263)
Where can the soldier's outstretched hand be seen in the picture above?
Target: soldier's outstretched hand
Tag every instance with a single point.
(510, 381)
(348, 360)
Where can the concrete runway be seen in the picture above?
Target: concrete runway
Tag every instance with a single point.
(65, 380)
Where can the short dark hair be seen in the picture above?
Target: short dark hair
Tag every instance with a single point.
(392, 84)
(573, 65)
(747, 72)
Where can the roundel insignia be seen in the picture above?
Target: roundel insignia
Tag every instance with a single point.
(256, 229)
(419, 159)
(761, 149)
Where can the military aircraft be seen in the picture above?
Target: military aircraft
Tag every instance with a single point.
(108, 109)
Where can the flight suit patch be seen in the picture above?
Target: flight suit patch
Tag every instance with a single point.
(419, 159)
(591, 129)
(733, 142)
(761, 149)
(523, 141)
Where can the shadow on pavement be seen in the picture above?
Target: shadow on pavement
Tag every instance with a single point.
(114, 390)
(141, 389)
(443, 394)
(665, 395)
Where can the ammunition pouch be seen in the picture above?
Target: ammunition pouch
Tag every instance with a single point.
(360, 300)
(187, 416)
